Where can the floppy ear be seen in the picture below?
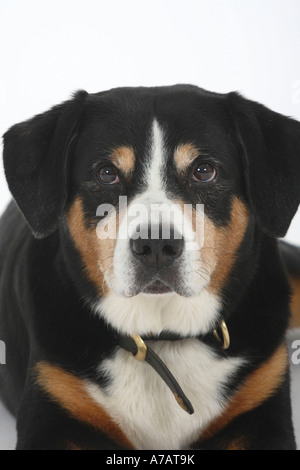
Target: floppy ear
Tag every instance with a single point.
(270, 145)
(36, 155)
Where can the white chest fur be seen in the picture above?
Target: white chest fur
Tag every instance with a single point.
(144, 407)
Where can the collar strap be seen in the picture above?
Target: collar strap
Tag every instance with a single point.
(143, 353)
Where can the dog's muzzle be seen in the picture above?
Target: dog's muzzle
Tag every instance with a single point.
(157, 261)
(157, 254)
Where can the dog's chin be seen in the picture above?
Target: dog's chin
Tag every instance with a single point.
(157, 288)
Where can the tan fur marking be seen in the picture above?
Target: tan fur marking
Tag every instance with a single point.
(295, 305)
(97, 255)
(124, 159)
(221, 245)
(72, 446)
(184, 156)
(240, 443)
(257, 388)
(69, 392)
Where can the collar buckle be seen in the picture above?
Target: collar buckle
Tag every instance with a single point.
(141, 348)
(224, 343)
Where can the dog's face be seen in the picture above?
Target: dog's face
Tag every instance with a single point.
(159, 150)
(157, 189)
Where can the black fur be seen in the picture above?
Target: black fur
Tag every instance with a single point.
(35, 157)
(270, 145)
(291, 258)
(44, 292)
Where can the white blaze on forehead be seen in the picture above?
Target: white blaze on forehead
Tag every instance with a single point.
(156, 166)
(153, 208)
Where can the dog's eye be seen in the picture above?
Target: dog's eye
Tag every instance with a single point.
(108, 175)
(204, 173)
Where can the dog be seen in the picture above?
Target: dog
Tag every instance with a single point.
(150, 342)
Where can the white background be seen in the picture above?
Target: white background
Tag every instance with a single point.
(50, 48)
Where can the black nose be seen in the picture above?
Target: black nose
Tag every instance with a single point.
(157, 253)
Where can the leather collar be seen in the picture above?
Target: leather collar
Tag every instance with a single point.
(142, 352)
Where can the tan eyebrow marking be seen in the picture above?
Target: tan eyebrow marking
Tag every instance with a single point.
(124, 159)
(184, 156)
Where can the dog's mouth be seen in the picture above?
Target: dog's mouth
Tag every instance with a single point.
(158, 285)
(157, 288)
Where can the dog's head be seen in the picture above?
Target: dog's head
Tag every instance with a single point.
(157, 189)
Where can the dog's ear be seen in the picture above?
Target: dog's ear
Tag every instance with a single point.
(36, 155)
(270, 146)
